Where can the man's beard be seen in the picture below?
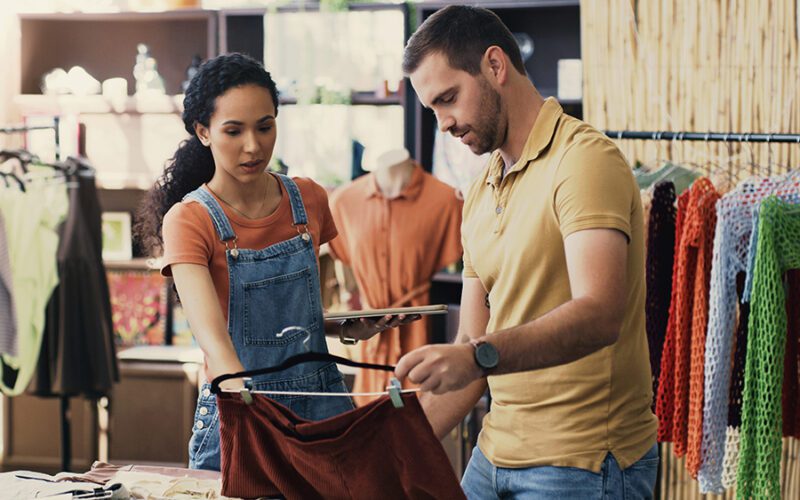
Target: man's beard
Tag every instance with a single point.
(487, 129)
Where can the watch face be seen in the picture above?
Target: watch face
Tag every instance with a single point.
(487, 356)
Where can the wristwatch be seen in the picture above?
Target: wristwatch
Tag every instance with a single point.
(344, 339)
(486, 355)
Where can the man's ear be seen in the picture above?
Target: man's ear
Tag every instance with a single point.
(202, 133)
(496, 63)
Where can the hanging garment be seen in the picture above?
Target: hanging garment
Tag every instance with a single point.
(777, 251)
(271, 289)
(690, 281)
(394, 247)
(665, 397)
(78, 355)
(374, 451)
(659, 260)
(8, 314)
(787, 188)
(791, 369)
(32, 218)
(731, 242)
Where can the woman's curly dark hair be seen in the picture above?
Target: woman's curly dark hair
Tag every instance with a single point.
(192, 165)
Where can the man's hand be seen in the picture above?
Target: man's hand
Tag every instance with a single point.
(440, 368)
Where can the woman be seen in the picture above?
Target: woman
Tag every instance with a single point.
(242, 246)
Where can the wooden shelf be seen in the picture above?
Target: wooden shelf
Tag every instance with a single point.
(358, 98)
(98, 104)
(138, 264)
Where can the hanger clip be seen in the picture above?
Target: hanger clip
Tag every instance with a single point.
(245, 391)
(394, 389)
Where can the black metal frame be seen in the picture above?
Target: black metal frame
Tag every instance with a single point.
(703, 136)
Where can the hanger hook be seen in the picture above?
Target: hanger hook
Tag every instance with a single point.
(290, 329)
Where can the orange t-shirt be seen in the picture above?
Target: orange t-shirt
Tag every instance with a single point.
(394, 247)
(190, 237)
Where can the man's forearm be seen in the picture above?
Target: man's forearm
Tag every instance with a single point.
(571, 331)
(445, 411)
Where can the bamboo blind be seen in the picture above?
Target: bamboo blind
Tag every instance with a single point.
(687, 65)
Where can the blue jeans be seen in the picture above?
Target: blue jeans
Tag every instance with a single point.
(482, 480)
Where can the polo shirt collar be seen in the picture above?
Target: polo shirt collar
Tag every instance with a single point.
(539, 138)
(411, 191)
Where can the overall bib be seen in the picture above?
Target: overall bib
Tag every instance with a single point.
(270, 289)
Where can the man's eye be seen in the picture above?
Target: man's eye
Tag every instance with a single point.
(448, 99)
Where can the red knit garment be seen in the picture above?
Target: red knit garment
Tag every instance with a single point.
(701, 234)
(680, 394)
(374, 451)
(791, 368)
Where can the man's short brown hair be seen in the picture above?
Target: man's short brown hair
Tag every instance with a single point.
(462, 33)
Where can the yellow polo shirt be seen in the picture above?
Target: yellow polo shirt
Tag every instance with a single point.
(569, 177)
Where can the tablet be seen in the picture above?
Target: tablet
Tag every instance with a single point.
(371, 313)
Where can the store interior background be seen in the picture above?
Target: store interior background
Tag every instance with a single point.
(675, 65)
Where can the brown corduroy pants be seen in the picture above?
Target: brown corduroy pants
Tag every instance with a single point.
(375, 451)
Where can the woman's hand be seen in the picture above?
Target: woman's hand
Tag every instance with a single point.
(366, 328)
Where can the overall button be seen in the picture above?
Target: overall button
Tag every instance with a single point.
(206, 392)
(498, 210)
(203, 410)
(199, 424)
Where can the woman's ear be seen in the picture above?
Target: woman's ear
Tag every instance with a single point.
(202, 134)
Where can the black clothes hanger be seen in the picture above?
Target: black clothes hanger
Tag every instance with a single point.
(305, 357)
(11, 175)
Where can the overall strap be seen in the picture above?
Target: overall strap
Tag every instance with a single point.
(218, 217)
(299, 216)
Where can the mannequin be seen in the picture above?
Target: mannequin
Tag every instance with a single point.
(398, 226)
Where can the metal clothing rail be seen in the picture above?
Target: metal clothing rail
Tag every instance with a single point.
(13, 129)
(703, 136)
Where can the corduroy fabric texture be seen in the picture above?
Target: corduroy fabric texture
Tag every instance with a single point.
(374, 451)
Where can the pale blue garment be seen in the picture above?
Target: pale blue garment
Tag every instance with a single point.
(8, 314)
(32, 219)
(731, 240)
(788, 191)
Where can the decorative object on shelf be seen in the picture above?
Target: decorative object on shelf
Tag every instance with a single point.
(525, 43)
(570, 79)
(191, 71)
(145, 72)
(117, 236)
(76, 81)
(138, 307)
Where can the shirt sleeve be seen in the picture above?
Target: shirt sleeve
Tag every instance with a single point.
(338, 245)
(186, 239)
(594, 189)
(327, 225)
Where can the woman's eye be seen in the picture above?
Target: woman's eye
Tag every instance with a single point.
(232, 132)
(265, 129)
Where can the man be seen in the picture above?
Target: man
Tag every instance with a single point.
(552, 311)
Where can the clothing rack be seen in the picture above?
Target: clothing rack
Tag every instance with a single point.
(14, 129)
(66, 437)
(703, 136)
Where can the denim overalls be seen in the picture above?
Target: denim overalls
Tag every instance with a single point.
(270, 289)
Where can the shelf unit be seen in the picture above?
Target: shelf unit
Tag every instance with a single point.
(554, 26)
(105, 44)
